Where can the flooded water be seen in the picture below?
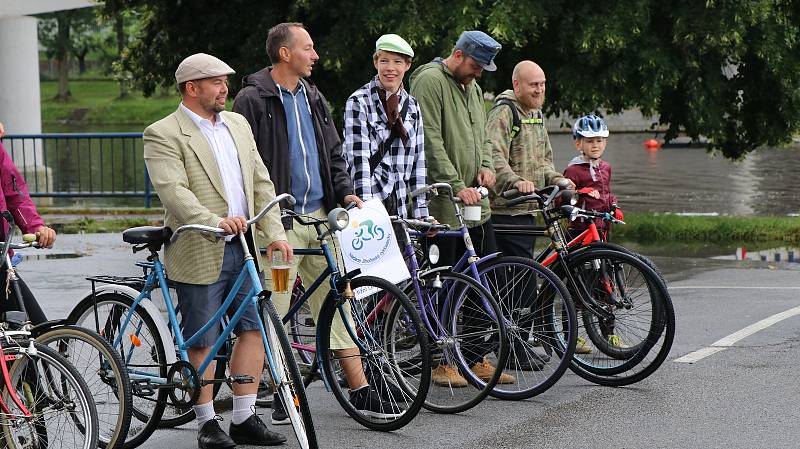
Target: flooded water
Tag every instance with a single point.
(688, 179)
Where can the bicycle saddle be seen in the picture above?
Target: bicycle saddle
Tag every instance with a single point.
(158, 235)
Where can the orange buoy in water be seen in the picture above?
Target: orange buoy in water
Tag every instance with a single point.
(652, 144)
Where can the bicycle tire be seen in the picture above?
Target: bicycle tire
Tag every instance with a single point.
(543, 323)
(111, 307)
(25, 374)
(290, 389)
(409, 390)
(459, 292)
(105, 375)
(640, 281)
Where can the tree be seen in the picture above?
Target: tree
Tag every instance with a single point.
(727, 70)
(68, 33)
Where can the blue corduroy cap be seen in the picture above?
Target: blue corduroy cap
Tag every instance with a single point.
(480, 47)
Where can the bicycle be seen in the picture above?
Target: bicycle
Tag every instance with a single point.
(624, 304)
(536, 306)
(44, 401)
(400, 383)
(461, 318)
(155, 351)
(95, 360)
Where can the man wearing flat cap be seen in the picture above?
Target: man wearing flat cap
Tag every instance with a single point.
(455, 117)
(383, 136)
(204, 165)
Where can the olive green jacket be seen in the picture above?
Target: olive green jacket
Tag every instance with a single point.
(185, 174)
(527, 157)
(454, 134)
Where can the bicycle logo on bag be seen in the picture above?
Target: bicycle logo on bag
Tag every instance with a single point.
(369, 242)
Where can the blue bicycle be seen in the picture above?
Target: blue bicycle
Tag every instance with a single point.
(155, 351)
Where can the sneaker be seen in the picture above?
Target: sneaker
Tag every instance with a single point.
(615, 341)
(279, 415)
(254, 431)
(386, 386)
(485, 370)
(582, 347)
(524, 358)
(367, 401)
(211, 436)
(447, 376)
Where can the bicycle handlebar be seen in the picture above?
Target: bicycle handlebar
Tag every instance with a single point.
(420, 224)
(575, 212)
(219, 232)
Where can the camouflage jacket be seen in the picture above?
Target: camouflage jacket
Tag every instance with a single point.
(528, 157)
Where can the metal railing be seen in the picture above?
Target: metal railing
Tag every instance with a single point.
(80, 165)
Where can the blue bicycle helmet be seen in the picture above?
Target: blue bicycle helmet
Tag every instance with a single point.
(589, 126)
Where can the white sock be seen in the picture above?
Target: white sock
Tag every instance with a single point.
(204, 412)
(243, 407)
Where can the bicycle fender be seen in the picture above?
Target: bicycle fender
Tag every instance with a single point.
(488, 257)
(149, 307)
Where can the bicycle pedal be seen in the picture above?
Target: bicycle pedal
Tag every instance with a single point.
(241, 379)
(142, 388)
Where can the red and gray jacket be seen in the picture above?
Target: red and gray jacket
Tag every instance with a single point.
(588, 176)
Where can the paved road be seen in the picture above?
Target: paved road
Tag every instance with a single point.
(742, 397)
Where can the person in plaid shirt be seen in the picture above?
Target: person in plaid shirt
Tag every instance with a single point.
(383, 138)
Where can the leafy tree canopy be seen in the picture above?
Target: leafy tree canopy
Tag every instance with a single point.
(728, 70)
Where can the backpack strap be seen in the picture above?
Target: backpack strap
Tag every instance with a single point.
(385, 146)
(516, 124)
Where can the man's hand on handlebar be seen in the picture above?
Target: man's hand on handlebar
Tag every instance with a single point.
(45, 237)
(485, 178)
(353, 199)
(469, 196)
(282, 246)
(233, 225)
(525, 187)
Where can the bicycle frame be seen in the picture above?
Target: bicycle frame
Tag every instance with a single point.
(157, 278)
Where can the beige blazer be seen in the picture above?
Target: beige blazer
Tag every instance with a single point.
(185, 174)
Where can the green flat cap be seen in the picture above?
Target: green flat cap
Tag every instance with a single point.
(394, 44)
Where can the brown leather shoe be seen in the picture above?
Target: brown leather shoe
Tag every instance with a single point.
(448, 376)
(485, 370)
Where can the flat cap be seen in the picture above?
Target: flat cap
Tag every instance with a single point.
(199, 66)
(394, 44)
(480, 47)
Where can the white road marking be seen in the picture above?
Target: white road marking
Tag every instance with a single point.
(731, 339)
(726, 287)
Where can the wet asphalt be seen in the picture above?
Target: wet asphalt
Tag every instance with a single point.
(745, 396)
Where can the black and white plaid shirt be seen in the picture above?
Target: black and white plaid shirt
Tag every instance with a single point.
(402, 168)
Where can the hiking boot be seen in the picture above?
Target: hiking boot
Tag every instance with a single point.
(367, 401)
(485, 371)
(279, 415)
(582, 347)
(447, 376)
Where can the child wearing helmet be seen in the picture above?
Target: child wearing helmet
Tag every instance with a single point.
(591, 174)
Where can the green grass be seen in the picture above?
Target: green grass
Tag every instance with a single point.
(104, 107)
(644, 228)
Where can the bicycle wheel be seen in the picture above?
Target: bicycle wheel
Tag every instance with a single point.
(626, 313)
(63, 414)
(466, 326)
(141, 348)
(396, 391)
(286, 379)
(105, 374)
(540, 316)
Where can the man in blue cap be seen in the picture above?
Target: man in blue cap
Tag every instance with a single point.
(452, 105)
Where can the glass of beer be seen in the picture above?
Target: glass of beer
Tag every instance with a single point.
(280, 273)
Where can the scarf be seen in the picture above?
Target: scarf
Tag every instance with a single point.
(391, 106)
